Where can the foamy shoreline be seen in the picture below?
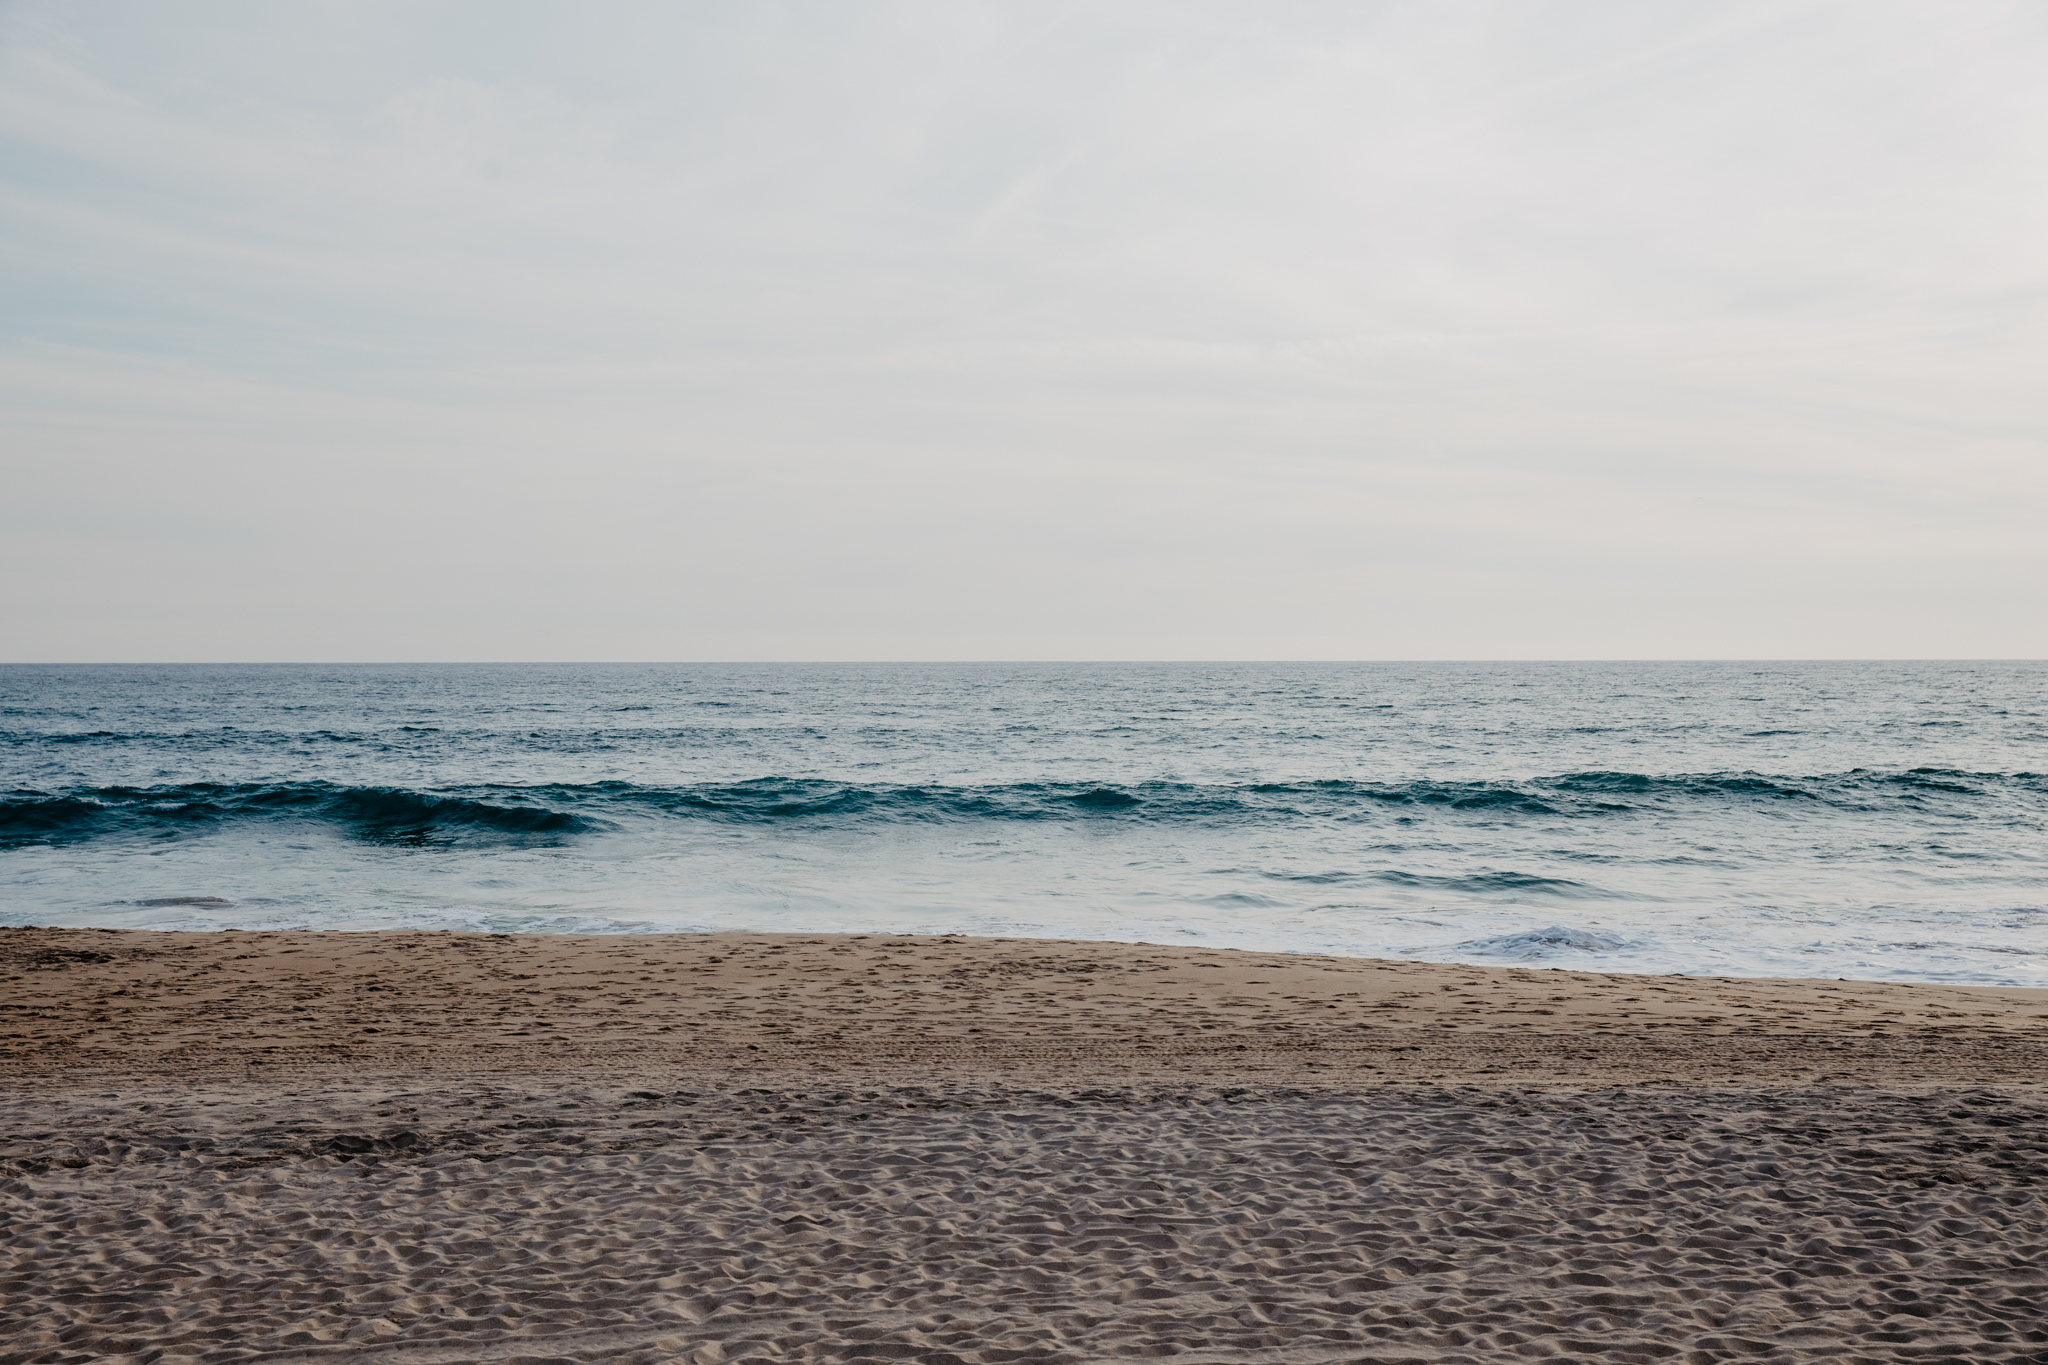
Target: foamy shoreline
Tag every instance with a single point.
(443, 1147)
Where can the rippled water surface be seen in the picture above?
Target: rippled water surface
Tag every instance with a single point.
(1859, 820)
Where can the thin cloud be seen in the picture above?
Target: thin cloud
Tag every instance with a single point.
(919, 330)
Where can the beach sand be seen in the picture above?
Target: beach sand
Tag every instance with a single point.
(738, 1147)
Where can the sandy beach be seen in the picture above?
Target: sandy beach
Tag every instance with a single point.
(446, 1147)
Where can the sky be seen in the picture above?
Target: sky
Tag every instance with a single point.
(351, 330)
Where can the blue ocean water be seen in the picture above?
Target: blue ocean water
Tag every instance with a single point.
(1868, 820)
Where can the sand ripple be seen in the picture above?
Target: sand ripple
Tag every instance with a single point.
(559, 1223)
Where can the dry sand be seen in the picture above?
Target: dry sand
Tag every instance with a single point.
(441, 1147)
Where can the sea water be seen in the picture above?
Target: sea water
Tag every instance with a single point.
(1864, 820)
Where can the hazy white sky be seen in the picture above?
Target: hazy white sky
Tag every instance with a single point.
(355, 330)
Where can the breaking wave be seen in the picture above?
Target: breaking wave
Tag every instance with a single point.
(379, 814)
(527, 814)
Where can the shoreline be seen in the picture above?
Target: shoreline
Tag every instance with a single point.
(224, 1003)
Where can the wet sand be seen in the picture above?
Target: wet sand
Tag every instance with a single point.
(441, 1147)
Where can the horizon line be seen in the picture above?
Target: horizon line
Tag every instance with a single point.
(1005, 662)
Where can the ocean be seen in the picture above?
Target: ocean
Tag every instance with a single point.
(1860, 820)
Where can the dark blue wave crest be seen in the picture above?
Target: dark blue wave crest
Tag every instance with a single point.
(379, 814)
(527, 814)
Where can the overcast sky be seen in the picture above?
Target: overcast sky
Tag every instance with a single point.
(849, 330)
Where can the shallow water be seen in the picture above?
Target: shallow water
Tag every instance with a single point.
(1858, 820)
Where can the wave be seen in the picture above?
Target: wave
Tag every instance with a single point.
(378, 814)
(1498, 883)
(526, 814)
(1533, 945)
(1471, 883)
